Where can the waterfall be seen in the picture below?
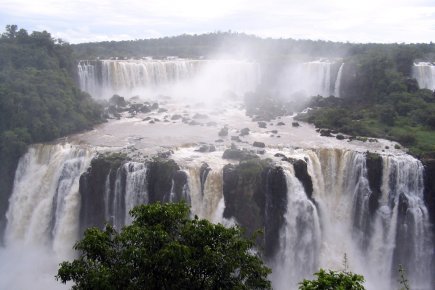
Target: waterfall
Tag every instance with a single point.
(338, 81)
(377, 229)
(300, 237)
(205, 192)
(319, 77)
(124, 190)
(44, 205)
(424, 72)
(103, 78)
(398, 232)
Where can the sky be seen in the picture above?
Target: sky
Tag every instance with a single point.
(79, 21)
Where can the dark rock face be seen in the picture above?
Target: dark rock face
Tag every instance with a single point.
(276, 207)
(259, 144)
(244, 195)
(256, 196)
(180, 182)
(244, 132)
(223, 132)
(159, 176)
(203, 173)
(262, 124)
(238, 154)
(301, 173)
(8, 166)
(118, 101)
(92, 189)
(429, 198)
(374, 174)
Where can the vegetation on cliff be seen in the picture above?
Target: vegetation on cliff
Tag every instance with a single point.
(164, 249)
(380, 99)
(39, 100)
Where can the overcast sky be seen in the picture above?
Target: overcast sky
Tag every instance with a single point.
(338, 20)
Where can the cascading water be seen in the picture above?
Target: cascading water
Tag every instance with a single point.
(303, 80)
(337, 85)
(44, 204)
(424, 72)
(124, 190)
(338, 218)
(397, 232)
(300, 237)
(103, 78)
(42, 219)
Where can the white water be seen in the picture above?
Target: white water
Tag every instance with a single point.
(424, 72)
(337, 85)
(148, 78)
(341, 192)
(303, 80)
(44, 207)
(42, 219)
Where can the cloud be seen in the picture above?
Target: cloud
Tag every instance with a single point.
(338, 20)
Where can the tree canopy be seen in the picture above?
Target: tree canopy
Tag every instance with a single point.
(333, 280)
(164, 249)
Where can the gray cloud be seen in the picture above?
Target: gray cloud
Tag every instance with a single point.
(338, 20)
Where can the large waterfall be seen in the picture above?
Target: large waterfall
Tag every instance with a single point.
(376, 233)
(103, 78)
(319, 77)
(42, 219)
(424, 72)
(373, 214)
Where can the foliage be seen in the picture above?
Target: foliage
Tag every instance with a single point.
(39, 100)
(402, 279)
(406, 117)
(333, 280)
(164, 249)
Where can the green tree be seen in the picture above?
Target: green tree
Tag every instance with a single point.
(164, 249)
(334, 280)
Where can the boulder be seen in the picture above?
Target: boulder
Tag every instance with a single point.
(259, 144)
(262, 124)
(244, 132)
(223, 132)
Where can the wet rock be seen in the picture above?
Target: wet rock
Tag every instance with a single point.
(279, 155)
(258, 144)
(180, 179)
(244, 132)
(194, 123)
(165, 154)
(274, 131)
(236, 138)
(280, 124)
(211, 124)
(160, 177)
(176, 117)
(145, 109)
(162, 110)
(147, 119)
(154, 106)
(223, 132)
(206, 148)
(261, 151)
(340, 137)
(325, 133)
(118, 101)
(151, 122)
(301, 173)
(262, 124)
(219, 141)
(295, 124)
(238, 154)
(200, 116)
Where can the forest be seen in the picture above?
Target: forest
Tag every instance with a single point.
(39, 98)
